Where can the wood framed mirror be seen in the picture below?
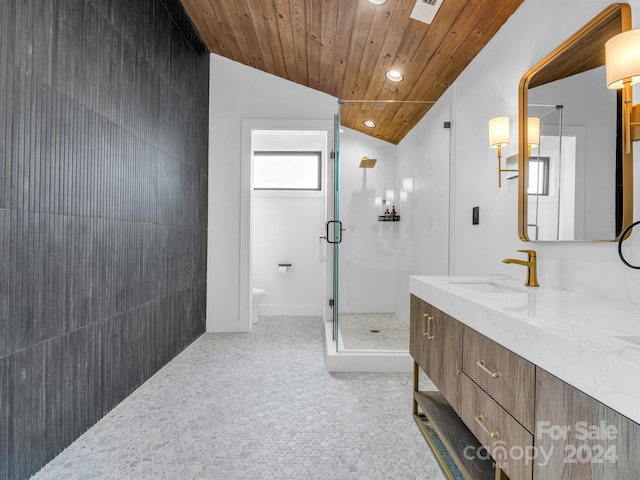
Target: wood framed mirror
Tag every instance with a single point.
(576, 182)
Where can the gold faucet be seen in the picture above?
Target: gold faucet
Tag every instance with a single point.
(532, 270)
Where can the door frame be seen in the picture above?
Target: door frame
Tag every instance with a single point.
(246, 202)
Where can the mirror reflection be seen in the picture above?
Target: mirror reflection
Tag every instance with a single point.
(575, 179)
(572, 173)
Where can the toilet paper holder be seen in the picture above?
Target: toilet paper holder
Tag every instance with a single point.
(283, 267)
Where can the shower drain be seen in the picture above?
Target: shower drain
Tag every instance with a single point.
(374, 331)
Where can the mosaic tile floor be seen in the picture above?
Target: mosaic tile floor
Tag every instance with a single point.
(256, 406)
(389, 331)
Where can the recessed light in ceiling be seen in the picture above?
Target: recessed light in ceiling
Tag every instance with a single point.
(378, 2)
(395, 76)
(369, 123)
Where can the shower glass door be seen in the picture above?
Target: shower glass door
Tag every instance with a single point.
(366, 243)
(334, 229)
(375, 252)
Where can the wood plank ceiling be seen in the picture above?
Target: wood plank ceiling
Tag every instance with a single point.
(345, 47)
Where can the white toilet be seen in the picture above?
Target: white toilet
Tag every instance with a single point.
(258, 294)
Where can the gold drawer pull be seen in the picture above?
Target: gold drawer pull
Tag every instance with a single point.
(483, 366)
(427, 333)
(480, 419)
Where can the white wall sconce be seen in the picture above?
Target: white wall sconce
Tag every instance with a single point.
(403, 196)
(407, 184)
(622, 54)
(389, 195)
(378, 201)
(533, 134)
(498, 138)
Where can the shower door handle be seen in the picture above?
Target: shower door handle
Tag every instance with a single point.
(339, 226)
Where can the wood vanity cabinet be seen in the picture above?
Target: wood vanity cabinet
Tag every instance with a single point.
(510, 406)
(580, 437)
(436, 346)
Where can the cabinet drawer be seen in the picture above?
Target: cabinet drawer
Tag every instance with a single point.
(508, 378)
(507, 441)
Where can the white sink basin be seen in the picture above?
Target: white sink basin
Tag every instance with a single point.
(487, 287)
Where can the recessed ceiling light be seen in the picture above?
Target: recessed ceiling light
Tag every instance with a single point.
(395, 76)
(369, 123)
(378, 2)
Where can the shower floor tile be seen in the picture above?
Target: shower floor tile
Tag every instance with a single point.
(373, 331)
(256, 406)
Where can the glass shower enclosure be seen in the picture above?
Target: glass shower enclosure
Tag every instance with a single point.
(365, 243)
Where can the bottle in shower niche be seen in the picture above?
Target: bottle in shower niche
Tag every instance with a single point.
(393, 213)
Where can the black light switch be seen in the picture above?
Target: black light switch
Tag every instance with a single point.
(475, 215)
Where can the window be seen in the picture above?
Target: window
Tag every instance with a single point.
(287, 171)
(538, 176)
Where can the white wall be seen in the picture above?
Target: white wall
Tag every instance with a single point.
(285, 230)
(238, 93)
(489, 88)
(424, 155)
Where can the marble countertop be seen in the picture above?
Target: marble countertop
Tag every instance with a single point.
(589, 342)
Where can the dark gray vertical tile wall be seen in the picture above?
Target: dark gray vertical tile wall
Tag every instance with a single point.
(103, 211)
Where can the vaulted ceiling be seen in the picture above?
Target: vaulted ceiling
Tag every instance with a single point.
(345, 47)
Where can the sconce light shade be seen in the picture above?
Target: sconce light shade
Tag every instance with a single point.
(378, 201)
(622, 54)
(407, 184)
(403, 196)
(498, 138)
(389, 195)
(498, 132)
(533, 131)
